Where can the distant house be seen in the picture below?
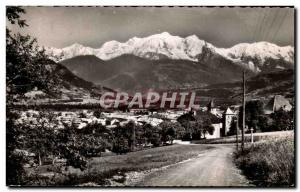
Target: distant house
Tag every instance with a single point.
(217, 131)
(228, 117)
(216, 123)
(276, 103)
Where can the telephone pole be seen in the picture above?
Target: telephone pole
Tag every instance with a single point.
(237, 133)
(133, 138)
(244, 106)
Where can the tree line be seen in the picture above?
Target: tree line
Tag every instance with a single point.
(279, 120)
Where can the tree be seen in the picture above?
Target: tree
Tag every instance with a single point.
(254, 113)
(26, 68)
(179, 131)
(93, 139)
(120, 142)
(15, 172)
(124, 138)
(203, 125)
(70, 147)
(186, 120)
(40, 142)
(13, 15)
(155, 138)
(130, 134)
(26, 62)
(140, 138)
(263, 123)
(282, 120)
(152, 134)
(195, 130)
(168, 131)
(14, 167)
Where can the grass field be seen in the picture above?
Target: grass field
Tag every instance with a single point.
(270, 163)
(256, 137)
(102, 168)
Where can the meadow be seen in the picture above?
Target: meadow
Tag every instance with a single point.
(100, 170)
(269, 163)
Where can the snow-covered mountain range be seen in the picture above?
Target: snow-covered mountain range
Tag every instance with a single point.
(165, 45)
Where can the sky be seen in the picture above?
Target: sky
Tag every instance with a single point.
(92, 26)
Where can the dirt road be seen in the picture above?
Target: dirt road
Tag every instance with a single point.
(214, 167)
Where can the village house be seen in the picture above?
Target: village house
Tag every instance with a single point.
(276, 103)
(221, 120)
(215, 120)
(217, 131)
(228, 117)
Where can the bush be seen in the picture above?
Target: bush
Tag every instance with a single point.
(269, 164)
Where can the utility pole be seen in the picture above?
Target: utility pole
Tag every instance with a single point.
(244, 106)
(237, 133)
(133, 138)
(252, 135)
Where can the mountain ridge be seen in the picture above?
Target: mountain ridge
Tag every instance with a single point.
(164, 45)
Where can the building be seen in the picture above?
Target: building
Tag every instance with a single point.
(228, 117)
(216, 122)
(217, 131)
(276, 103)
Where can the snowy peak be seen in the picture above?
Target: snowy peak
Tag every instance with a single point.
(73, 50)
(162, 44)
(165, 45)
(260, 51)
(260, 55)
(195, 45)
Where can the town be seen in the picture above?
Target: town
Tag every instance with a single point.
(222, 119)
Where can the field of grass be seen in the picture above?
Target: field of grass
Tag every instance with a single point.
(256, 137)
(102, 168)
(270, 163)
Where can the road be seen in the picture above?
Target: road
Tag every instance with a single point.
(214, 167)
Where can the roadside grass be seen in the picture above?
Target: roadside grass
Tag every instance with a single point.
(270, 163)
(101, 169)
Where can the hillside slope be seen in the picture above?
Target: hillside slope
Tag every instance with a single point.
(263, 86)
(132, 73)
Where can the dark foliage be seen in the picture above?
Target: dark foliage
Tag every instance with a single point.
(254, 116)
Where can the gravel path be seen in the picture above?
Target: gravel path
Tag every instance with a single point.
(214, 167)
